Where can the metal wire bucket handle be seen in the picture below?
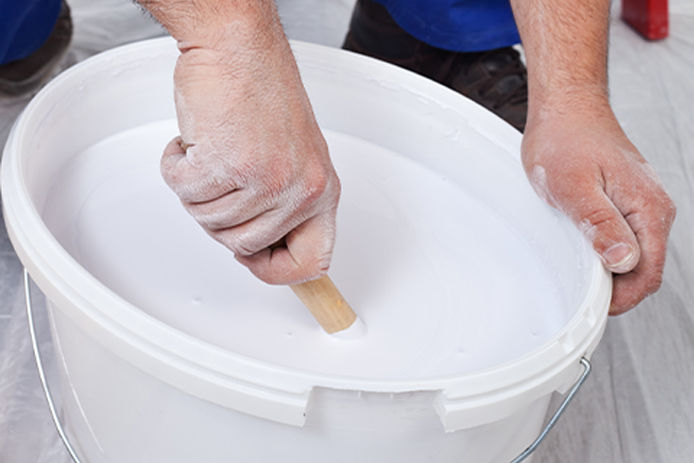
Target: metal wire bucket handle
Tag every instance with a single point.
(61, 432)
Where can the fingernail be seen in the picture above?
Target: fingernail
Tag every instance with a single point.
(618, 257)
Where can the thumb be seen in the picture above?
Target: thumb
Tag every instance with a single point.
(605, 227)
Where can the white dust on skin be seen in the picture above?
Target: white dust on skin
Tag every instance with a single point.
(235, 153)
(538, 180)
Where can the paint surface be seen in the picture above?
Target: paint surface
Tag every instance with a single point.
(444, 284)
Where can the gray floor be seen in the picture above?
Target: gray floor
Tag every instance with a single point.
(638, 406)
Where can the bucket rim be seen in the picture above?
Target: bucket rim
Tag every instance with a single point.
(208, 370)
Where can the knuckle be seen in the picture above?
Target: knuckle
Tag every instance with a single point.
(599, 223)
(323, 258)
(168, 171)
(211, 221)
(652, 277)
(196, 183)
(215, 185)
(315, 187)
(201, 189)
(654, 283)
(670, 210)
(320, 186)
(216, 215)
(656, 251)
(244, 249)
(244, 245)
(659, 262)
(239, 247)
(336, 190)
(230, 240)
(268, 277)
(322, 264)
(599, 217)
(662, 205)
(316, 269)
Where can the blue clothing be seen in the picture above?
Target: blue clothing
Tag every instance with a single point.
(25, 25)
(457, 25)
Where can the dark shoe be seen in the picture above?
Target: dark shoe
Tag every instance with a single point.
(27, 74)
(496, 79)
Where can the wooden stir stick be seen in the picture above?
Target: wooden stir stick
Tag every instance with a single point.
(326, 304)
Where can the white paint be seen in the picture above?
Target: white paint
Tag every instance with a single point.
(354, 331)
(191, 395)
(444, 284)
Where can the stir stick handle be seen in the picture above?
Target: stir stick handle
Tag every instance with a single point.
(326, 304)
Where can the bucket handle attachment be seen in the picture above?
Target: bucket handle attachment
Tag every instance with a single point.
(73, 454)
(565, 403)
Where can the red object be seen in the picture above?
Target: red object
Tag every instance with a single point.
(648, 17)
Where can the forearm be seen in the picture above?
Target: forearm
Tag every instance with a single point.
(565, 42)
(575, 153)
(219, 24)
(250, 164)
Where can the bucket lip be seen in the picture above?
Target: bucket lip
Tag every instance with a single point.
(60, 276)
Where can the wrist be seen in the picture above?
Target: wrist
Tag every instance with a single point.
(576, 100)
(237, 34)
(223, 25)
(242, 50)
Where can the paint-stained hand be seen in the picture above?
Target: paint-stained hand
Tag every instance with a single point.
(251, 165)
(582, 163)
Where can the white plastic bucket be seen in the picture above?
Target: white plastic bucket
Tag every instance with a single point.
(151, 371)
